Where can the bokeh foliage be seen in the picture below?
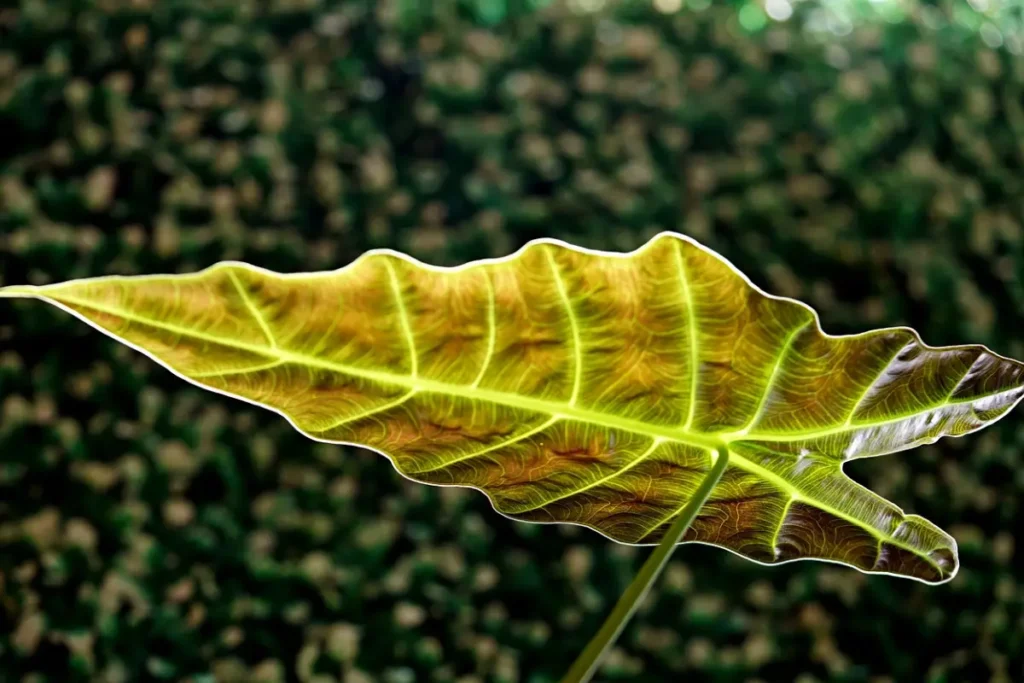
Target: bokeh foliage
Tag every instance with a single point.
(865, 163)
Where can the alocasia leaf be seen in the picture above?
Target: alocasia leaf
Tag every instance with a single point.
(582, 387)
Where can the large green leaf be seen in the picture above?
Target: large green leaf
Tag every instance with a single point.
(582, 387)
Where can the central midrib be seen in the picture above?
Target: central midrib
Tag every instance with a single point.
(552, 408)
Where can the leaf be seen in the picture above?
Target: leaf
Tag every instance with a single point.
(582, 387)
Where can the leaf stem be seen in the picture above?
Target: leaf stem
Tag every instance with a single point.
(586, 664)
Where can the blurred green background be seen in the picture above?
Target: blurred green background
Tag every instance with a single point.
(865, 157)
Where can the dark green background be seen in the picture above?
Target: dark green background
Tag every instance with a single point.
(868, 164)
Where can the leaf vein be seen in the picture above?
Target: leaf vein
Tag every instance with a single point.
(636, 461)
(770, 382)
(692, 335)
(573, 326)
(842, 429)
(373, 411)
(492, 330)
(255, 312)
(403, 319)
(778, 527)
(241, 371)
(492, 447)
(871, 385)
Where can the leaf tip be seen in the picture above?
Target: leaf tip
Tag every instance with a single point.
(18, 292)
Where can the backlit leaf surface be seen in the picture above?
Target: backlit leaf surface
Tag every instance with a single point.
(582, 387)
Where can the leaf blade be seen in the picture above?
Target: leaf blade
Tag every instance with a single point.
(511, 338)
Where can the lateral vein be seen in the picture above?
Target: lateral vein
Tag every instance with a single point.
(241, 371)
(871, 385)
(373, 411)
(492, 447)
(403, 318)
(770, 382)
(693, 335)
(492, 330)
(260, 320)
(636, 461)
(573, 326)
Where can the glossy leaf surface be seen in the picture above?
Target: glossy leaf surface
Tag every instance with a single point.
(582, 387)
